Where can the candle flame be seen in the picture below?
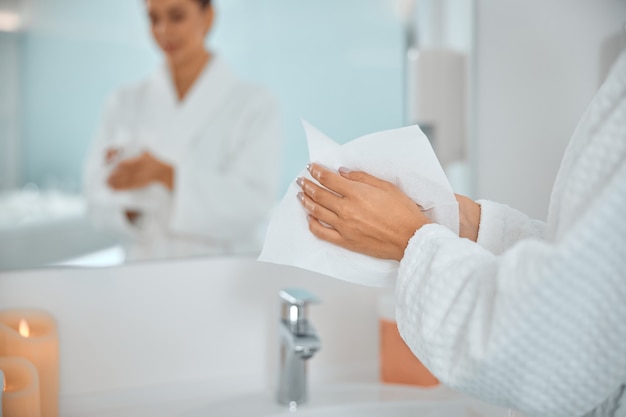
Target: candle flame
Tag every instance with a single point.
(23, 328)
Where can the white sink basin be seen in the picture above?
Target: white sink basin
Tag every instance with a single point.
(356, 400)
(409, 409)
(325, 400)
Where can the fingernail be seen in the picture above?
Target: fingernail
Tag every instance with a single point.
(308, 167)
(345, 170)
(301, 197)
(300, 181)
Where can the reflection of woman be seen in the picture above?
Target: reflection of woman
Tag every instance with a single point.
(185, 162)
(533, 314)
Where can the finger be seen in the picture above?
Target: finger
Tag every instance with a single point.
(126, 165)
(119, 178)
(132, 162)
(320, 195)
(329, 179)
(116, 181)
(120, 171)
(364, 177)
(325, 233)
(317, 211)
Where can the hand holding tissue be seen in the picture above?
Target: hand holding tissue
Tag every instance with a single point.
(402, 157)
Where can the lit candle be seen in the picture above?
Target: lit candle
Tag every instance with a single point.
(32, 335)
(20, 387)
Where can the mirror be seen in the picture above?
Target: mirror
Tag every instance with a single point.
(348, 67)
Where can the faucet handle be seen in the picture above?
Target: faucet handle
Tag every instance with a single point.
(294, 309)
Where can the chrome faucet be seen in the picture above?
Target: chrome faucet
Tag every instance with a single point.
(298, 342)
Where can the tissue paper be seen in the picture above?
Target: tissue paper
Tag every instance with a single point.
(403, 157)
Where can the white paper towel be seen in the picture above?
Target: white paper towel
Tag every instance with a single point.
(403, 157)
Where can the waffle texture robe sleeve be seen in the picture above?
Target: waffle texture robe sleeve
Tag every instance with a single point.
(541, 327)
(502, 226)
(533, 316)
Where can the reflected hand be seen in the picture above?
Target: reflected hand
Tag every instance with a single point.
(363, 213)
(139, 172)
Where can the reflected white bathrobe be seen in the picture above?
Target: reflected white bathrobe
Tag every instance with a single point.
(223, 141)
(534, 315)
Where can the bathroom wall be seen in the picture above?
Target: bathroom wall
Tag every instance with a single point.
(445, 23)
(192, 321)
(9, 103)
(538, 65)
(337, 64)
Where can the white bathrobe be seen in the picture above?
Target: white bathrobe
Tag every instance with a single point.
(223, 141)
(534, 315)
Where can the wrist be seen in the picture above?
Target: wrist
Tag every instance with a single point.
(165, 175)
(419, 221)
(469, 218)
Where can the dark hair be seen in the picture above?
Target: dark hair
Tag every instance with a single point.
(204, 3)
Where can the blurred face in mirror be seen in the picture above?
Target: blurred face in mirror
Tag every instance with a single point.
(180, 27)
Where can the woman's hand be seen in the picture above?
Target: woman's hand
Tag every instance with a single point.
(141, 171)
(361, 213)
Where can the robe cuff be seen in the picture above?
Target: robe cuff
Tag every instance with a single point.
(422, 248)
(501, 226)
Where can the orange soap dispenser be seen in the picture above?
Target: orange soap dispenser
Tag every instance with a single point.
(398, 365)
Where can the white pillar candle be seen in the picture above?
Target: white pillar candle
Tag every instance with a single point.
(32, 335)
(21, 390)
